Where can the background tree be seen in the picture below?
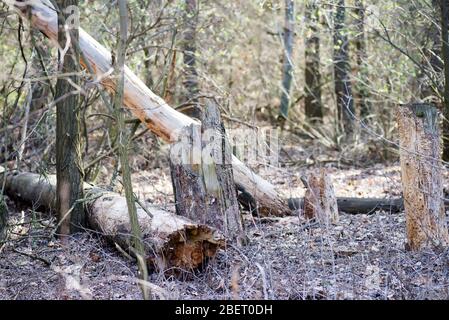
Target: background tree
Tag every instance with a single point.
(445, 53)
(189, 49)
(69, 170)
(313, 104)
(287, 68)
(362, 87)
(343, 91)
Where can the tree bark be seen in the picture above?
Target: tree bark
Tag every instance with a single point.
(69, 170)
(150, 109)
(203, 182)
(343, 91)
(287, 69)
(445, 51)
(319, 201)
(421, 176)
(170, 241)
(313, 104)
(361, 56)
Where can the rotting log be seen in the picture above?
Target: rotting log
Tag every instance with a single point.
(201, 171)
(319, 201)
(149, 108)
(421, 176)
(171, 241)
(358, 205)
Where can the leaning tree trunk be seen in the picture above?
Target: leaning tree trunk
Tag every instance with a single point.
(150, 109)
(171, 241)
(287, 69)
(343, 91)
(69, 170)
(203, 182)
(421, 176)
(313, 105)
(445, 50)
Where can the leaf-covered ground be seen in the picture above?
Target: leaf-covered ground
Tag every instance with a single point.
(361, 257)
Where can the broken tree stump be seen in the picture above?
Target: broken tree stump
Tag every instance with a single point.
(171, 241)
(202, 177)
(320, 201)
(421, 176)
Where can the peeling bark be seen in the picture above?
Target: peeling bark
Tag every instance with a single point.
(203, 182)
(320, 201)
(421, 176)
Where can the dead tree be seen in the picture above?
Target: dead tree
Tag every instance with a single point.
(361, 56)
(313, 104)
(421, 176)
(444, 5)
(170, 241)
(343, 91)
(203, 181)
(69, 170)
(319, 201)
(149, 108)
(287, 69)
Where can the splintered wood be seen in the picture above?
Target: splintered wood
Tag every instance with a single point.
(171, 241)
(421, 176)
(319, 200)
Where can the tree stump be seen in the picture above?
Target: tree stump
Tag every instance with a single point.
(201, 171)
(421, 176)
(320, 201)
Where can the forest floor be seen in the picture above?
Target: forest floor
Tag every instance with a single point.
(360, 257)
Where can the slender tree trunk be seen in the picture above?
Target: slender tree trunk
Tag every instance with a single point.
(189, 47)
(123, 141)
(287, 68)
(421, 176)
(69, 170)
(3, 216)
(343, 91)
(445, 51)
(361, 56)
(313, 104)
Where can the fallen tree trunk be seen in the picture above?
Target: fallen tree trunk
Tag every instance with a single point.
(149, 108)
(171, 241)
(358, 205)
(361, 205)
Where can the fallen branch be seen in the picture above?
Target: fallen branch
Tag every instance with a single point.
(171, 241)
